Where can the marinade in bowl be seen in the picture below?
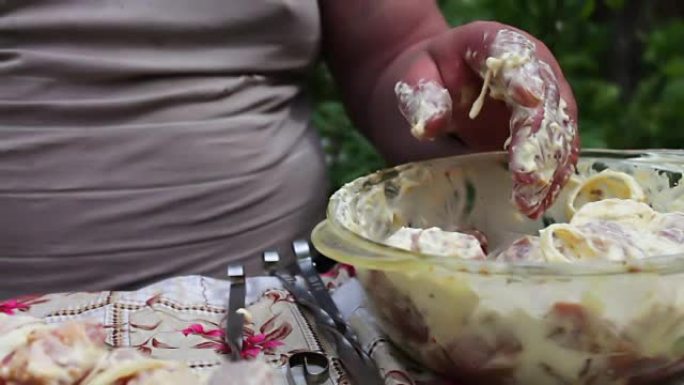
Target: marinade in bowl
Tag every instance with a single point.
(481, 319)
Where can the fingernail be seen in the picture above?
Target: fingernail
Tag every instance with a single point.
(526, 87)
(421, 104)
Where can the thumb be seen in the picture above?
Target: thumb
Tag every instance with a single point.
(441, 84)
(516, 70)
(423, 98)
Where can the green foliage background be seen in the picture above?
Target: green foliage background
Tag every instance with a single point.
(623, 58)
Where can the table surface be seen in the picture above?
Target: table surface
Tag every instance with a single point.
(180, 318)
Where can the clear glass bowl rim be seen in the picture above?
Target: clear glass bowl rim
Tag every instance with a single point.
(377, 256)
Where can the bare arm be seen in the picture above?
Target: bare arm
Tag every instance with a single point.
(370, 45)
(374, 46)
(361, 40)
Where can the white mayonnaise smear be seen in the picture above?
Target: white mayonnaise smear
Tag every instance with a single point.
(422, 103)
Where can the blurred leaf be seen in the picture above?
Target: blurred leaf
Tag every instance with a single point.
(592, 138)
(615, 4)
(606, 95)
(674, 93)
(674, 67)
(588, 9)
(577, 61)
(665, 42)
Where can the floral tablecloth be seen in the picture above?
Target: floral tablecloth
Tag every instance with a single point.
(180, 319)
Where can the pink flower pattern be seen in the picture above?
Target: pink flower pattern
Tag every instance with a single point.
(13, 305)
(251, 347)
(198, 329)
(335, 272)
(21, 304)
(267, 340)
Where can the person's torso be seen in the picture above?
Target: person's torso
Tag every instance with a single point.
(141, 138)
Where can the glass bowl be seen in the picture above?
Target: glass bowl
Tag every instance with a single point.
(488, 322)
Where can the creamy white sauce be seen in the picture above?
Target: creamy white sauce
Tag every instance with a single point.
(608, 221)
(641, 310)
(512, 67)
(497, 89)
(435, 241)
(421, 103)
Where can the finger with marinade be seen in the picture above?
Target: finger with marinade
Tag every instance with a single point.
(543, 146)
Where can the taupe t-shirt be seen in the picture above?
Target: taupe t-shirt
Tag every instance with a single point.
(141, 139)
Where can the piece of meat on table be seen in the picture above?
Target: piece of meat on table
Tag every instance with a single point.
(74, 353)
(128, 366)
(50, 355)
(255, 372)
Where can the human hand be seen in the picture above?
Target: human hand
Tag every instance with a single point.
(530, 106)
